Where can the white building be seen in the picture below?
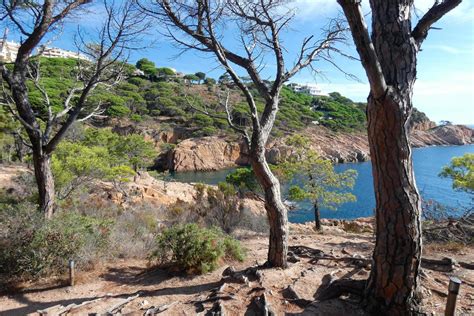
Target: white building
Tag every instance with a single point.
(8, 51)
(311, 89)
(54, 52)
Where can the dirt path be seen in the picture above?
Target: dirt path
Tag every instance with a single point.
(108, 286)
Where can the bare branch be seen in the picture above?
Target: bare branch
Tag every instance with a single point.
(353, 11)
(94, 113)
(224, 103)
(436, 12)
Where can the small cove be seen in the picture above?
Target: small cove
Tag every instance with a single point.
(428, 162)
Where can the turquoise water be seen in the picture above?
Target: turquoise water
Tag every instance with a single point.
(428, 162)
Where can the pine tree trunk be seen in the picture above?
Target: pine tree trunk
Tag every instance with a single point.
(276, 210)
(45, 183)
(394, 276)
(317, 216)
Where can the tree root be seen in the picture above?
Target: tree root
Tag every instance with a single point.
(340, 287)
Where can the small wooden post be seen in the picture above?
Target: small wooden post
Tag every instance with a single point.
(453, 290)
(72, 274)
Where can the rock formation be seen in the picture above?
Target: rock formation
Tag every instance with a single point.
(214, 153)
(443, 135)
(207, 154)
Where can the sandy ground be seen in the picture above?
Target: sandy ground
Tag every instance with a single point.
(145, 287)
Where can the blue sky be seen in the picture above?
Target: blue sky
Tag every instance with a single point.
(444, 89)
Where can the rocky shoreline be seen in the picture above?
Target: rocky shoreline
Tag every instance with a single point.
(216, 153)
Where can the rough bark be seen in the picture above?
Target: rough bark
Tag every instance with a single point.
(317, 216)
(45, 183)
(394, 276)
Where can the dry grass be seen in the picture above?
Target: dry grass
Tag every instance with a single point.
(443, 247)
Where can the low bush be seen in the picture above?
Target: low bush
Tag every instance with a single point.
(32, 247)
(195, 250)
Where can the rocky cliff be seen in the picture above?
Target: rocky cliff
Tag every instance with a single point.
(206, 154)
(214, 153)
(443, 135)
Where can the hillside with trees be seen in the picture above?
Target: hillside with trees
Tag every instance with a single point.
(149, 93)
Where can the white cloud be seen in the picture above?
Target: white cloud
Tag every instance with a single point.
(310, 8)
(450, 49)
(453, 85)
(356, 91)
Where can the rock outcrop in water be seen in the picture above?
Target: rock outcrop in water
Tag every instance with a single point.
(214, 153)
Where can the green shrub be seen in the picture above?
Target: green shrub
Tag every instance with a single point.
(194, 249)
(118, 111)
(206, 131)
(243, 179)
(32, 247)
(136, 118)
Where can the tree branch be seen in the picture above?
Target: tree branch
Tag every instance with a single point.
(227, 117)
(436, 12)
(353, 12)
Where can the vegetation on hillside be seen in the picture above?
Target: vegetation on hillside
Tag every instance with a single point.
(160, 92)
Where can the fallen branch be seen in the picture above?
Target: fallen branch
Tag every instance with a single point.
(213, 299)
(72, 307)
(117, 307)
(315, 255)
(466, 265)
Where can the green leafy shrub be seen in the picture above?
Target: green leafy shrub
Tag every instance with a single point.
(194, 249)
(32, 247)
(136, 118)
(243, 179)
(206, 131)
(118, 111)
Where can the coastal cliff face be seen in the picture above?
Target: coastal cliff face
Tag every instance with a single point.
(215, 153)
(443, 135)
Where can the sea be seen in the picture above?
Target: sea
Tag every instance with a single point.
(428, 162)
